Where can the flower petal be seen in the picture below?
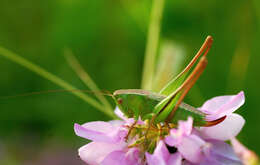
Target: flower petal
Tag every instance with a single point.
(175, 159)
(128, 121)
(220, 106)
(220, 153)
(171, 140)
(93, 153)
(122, 158)
(246, 155)
(185, 162)
(120, 114)
(224, 150)
(154, 160)
(115, 158)
(225, 130)
(184, 129)
(161, 150)
(185, 126)
(160, 155)
(98, 131)
(133, 156)
(116, 123)
(191, 148)
(99, 126)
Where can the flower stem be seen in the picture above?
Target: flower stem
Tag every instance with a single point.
(152, 44)
(56, 80)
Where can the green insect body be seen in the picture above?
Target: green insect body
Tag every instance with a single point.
(137, 102)
(167, 105)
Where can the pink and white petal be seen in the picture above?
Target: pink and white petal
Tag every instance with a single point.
(225, 130)
(133, 156)
(185, 127)
(99, 126)
(120, 131)
(161, 150)
(234, 103)
(101, 131)
(170, 141)
(185, 162)
(220, 153)
(246, 155)
(121, 157)
(120, 114)
(222, 105)
(175, 159)
(191, 148)
(174, 138)
(223, 152)
(127, 120)
(93, 153)
(115, 158)
(160, 155)
(154, 160)
(90, 134)
(116, 123)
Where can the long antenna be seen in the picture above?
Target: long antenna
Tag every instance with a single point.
(106, 93)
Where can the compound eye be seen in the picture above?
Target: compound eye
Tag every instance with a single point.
(119, 101)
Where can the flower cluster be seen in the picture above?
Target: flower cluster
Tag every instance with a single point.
(126, 142)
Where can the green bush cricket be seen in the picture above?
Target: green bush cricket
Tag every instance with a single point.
(167, 106)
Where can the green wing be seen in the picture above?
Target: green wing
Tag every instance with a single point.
(167, 110)
(137, 102)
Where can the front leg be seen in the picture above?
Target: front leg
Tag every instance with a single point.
(130, 130)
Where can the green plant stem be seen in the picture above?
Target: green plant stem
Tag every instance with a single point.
(84, 76)
(152, 44)
(56, 80)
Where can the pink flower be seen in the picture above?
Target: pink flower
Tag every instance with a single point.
(191, 146)
(108, 146)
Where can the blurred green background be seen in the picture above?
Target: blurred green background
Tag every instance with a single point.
(109, 38)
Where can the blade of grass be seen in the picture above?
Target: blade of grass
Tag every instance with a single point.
(84, 76)
(239, 66)
(152, 44)
(138, 12)
(171, 57)
(51, 77)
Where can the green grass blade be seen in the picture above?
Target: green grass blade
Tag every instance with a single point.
(84, 76)
(49, 76)
(152, 44)
(169, 63)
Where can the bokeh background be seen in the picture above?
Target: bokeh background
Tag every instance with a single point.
(109, 38)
